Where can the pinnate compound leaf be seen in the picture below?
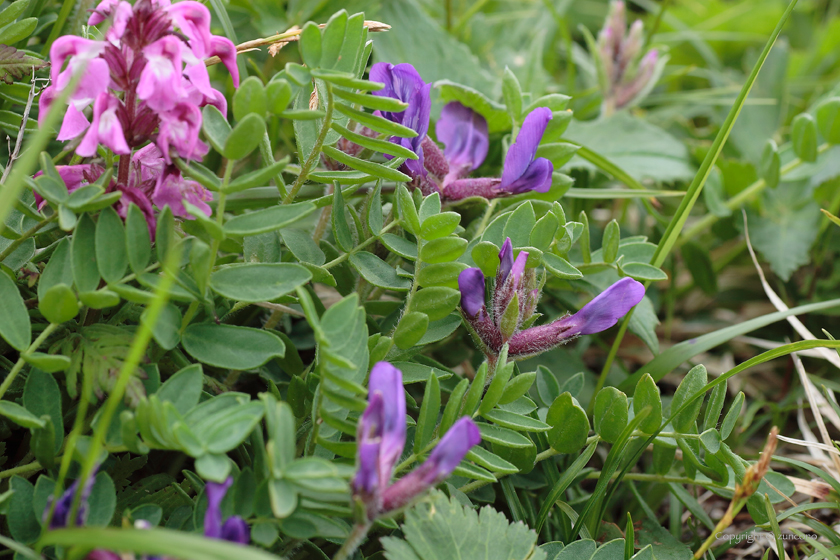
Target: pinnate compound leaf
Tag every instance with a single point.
(443, 528)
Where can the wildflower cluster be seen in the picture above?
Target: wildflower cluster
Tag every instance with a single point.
(513, 300)
(146, 81)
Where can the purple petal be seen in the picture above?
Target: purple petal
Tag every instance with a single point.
(226, 51)
(536, 178)
(404, 83)
(450, 451)
(160, 83)
(464, 135)
(193, 19)
(505, 261)
(73, 125)
(471, 284)
(386, 381)
(608, 307)
(524, 149)
(213, 516)
(236, 530)
(518, 268)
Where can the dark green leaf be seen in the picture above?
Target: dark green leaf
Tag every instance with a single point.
(231, 347)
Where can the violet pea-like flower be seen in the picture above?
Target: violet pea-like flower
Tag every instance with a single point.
(598, 315)
(403, 82)
(233, 529)
(61, 515)
(464, 136)
(523, 170)
(173, 189)
(105, 128)
(380, 442)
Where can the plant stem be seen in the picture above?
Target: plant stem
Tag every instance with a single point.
(25, 235)
(610, 358)
(19, 364)
(310, 162)
(23, 469)
(486, 218)
(357, 535)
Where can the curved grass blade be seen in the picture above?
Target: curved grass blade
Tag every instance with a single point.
(563, 483)
(684, 351)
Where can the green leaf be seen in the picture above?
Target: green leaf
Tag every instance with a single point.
(249, 98)
(111, 255)
(18, 31)
(59, 304)
(12, 12)
(497, 385)
(732, 415)
(429, 410)
(302, 246)
(503, 436)
(569, 425)
(520, 224)
(443, 528)
(377, 272)
(547, 387)
(24, 525)
(245, 137)
(714, 407)
(486, 255)
(215, 127)
(442, 274)
(369, 167)
(647, 394)
(341, 228)
(560, 267)
(41, 396)
(100, 299)
(15, 64)
(435, 302)
(514, 421)
(138, 240)
(518, 387)
(257, 178)
(377, 102)
(609, 244)
(377, 123)
(642, 271)
(699, 264)
(269, 219)
(770, 165)
(411, 329)
(375, 144)
(20, 416)
(828, 119)
(512, 94)
(231, 347)
(14, 328)
(444, 249)
(693, 382)
(183, 389)
(258, 281)
(83, 252)
(804, 137)
(610, 414)
(166, 330)
(278, 95)
(58, 270)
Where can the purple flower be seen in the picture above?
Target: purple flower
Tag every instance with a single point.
(471, 285)
(234, 529)
(380, 442)
(173, 190)
(105, 128)
(160, 83)
(119, 10)
(178, 133)
(404, 83)
(450, 451)
(61, 515)
(523, 171)
(464, 136)
(381, 431)
(505, 260)
(598, 315)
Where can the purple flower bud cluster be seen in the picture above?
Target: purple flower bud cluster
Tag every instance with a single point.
(625, 72)
(512, 303)
(147, 81)
(380, 443)
(464, 135)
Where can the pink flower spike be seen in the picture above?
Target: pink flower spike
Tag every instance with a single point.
(105, 128)
(96, 80)
(226, 51)
(119, 10)
(172, 189)
(193, 19)
(178, 132)
(160, 83)
(74, 123)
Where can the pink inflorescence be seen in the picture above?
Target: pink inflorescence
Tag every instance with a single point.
(145, 82)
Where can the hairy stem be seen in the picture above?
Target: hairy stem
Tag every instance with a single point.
(25, 235)
(310, 162)
(19, 364)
